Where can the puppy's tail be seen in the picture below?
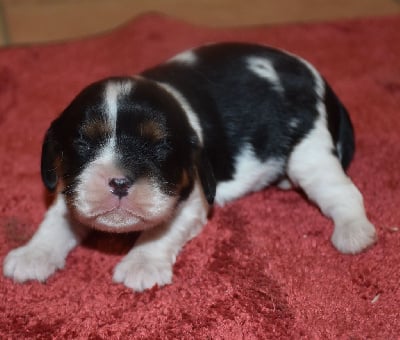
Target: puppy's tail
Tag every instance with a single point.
(340, 127)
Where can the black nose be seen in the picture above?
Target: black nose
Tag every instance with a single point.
(120, 186)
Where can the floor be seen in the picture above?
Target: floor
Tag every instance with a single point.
(32, 21)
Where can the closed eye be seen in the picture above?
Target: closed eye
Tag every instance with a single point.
(82, 146)
(162, 149)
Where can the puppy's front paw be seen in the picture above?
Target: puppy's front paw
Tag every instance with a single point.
(354, 237)
(31, 263)
(141, 271)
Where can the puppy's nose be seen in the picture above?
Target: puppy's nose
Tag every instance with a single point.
(120, 186)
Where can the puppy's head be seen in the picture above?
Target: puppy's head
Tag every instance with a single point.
(124, 155)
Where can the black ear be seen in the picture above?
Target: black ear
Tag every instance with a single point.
(206, 175)
(48, 166)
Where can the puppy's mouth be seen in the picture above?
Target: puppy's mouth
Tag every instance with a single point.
(120, 220)
(117, 219)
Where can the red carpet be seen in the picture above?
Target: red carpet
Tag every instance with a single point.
(263, 266)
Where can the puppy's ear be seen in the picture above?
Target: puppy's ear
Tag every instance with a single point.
(206, 175)
(48, 162)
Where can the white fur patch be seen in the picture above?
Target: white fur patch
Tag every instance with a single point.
(294, 123)
(284, 184)
(264, 68)
(250, 175)
(187, 57)
(191, 115)
(114, 90)
(339, 150)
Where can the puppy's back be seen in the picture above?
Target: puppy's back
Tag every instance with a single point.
(250, 94)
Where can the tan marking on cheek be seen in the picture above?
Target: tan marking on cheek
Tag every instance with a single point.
(185, 180)
(152, 130)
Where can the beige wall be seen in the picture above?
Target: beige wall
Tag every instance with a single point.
(24, 21)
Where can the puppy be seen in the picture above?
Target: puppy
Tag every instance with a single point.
(153, 152)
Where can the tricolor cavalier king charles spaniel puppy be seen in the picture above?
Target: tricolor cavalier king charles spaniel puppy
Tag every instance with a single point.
(153, 152)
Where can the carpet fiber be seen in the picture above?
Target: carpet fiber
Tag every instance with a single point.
(264, 266)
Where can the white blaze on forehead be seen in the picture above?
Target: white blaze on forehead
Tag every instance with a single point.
(114, 90)
(264, 68)
(191, 115)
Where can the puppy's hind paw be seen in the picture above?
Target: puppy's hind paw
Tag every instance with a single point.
(139, 272)
(31, 263)
(354, 237)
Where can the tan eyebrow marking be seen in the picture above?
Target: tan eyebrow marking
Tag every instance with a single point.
(152, 130)
(97, 128)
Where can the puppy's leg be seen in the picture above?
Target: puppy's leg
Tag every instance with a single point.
(48, 248)
(315, 168)
(151, 260)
